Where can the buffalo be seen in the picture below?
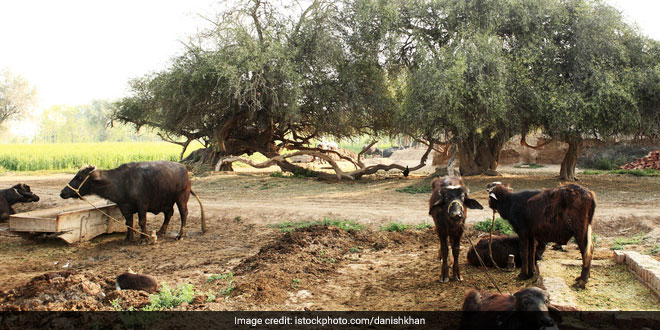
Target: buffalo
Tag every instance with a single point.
(19, 193)
(139, 187)
(448, 206)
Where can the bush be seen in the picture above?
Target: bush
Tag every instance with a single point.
(502, 226)
(168, 298)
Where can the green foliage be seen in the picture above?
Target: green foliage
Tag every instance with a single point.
(347, 225)
(620, 242)
(295, 283)
(530, 166)
(502, 226)
(643, 173)
(394, 226)
(35, 157)
(355, 249)
(210, 296)
(416, 189)
(169, 298)
(424, 225)
(655, 250)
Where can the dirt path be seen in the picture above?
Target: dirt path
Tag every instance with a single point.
(397, 271)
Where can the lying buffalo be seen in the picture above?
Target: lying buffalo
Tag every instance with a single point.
(139, 188)
(19, 193)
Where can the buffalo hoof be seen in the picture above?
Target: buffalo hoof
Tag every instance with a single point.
(524, 277)
(444, 279)
(580, 283)
(458, 278)
(161, 233)
(143, 241)
(180, 237)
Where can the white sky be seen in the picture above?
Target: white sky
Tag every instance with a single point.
(75, 51)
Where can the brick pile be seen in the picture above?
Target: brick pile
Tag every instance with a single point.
(652, 161)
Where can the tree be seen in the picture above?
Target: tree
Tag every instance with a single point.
(16, 95)
(265, 81)
(590, 78)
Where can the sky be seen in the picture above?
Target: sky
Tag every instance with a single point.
(76, 51)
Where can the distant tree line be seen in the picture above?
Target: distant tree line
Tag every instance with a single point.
(269, 77)
(85, 123)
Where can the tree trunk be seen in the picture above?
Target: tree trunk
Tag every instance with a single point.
(480, 157)
(567, 171)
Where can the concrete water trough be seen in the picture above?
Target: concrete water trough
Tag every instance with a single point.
(72, 224)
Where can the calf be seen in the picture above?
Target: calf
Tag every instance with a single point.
(19, 193)
(526, 309)
(130, 281)
(551, 215)
(503, 246)
(448, 206)
(139, 188)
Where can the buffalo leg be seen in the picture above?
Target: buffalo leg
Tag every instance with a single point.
(531, 254)
(182, 204)
(129, 223)
(586, 246)
(142, 220)
(455, 250)
(444, 253)
(524, 251)
(163, 229)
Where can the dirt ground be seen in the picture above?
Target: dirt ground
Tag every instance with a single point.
(316, 268)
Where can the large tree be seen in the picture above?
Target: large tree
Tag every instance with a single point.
(16, 95)
(591, 78)
(267, 79)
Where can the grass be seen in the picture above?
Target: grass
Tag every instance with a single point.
(529, 165)
(70, 157)
(620, 242)
(399, 226)
(395, 226)
(297, 173)
(640, 173)
(502, 226)
(347, 225)
(416, 189)
(611, 288)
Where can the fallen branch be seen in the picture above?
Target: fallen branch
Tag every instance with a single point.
(280, 160)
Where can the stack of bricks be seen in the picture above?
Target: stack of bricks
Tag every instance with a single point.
(652, 161)
(644, 267)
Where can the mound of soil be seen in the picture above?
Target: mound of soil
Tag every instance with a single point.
(69, 291)
(308, 255)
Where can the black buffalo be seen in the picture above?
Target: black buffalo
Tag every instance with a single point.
(139, 188)
(19, 193)
(448, 206)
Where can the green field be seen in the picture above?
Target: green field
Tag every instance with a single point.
(71, 156)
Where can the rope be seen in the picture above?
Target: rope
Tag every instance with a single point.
(77, 191)
(492, 280)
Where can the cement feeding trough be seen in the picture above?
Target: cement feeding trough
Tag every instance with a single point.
(72, 224)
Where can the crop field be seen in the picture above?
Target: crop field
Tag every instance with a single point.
(63, 157)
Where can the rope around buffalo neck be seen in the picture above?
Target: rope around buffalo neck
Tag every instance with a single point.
(77, 191)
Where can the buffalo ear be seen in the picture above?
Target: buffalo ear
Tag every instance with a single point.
(436, 200)
(473, 204)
